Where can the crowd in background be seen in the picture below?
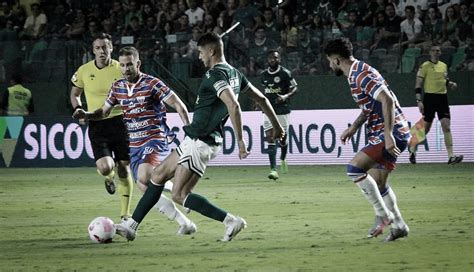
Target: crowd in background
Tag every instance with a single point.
(167, 30)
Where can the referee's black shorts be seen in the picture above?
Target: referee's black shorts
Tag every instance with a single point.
(435, 103)
(109, 138)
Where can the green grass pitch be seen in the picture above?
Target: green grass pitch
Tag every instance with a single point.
(313, 219)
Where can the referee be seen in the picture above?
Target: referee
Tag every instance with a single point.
(432, 76)
(108, 136)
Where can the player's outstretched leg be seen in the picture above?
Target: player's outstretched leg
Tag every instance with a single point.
(233, 224)
(283, 162)
(399, 227)
(371, 192)
(168, 208)
(272, 157)
(128, 228)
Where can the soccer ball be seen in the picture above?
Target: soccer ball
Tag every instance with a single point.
(101, 230)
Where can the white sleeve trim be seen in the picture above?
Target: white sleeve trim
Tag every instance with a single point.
(378, 90)
(220, 86)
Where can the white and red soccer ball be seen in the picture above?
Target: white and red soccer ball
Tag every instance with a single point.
(101, 230)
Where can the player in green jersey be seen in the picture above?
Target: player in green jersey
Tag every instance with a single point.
(216, 101)
(279, 86)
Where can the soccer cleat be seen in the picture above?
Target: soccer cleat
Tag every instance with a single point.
(127, 229)
(110, 185)
(284, 166)
(273, 175)
(187, 229)
(233, 225)
(378, 229)
(412, 158)
(377, 222)
(397, 234)
(455, 159)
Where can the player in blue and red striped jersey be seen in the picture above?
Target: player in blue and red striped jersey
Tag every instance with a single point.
(142, 99)
(388, 133)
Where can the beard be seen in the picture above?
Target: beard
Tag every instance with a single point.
(338, 72)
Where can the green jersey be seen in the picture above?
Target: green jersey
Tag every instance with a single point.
(275, 83)
(210, 112)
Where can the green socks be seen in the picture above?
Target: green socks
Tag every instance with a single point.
(201, 205)
(148, 200)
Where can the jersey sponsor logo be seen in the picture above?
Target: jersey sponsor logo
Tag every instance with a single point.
(137, 135)
(270, 89)
(136, 100)
(137, 110)
(137, 125)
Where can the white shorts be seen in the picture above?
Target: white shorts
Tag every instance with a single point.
(195, 154)
(284, 120)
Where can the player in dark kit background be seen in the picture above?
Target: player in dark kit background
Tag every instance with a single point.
(279, 85)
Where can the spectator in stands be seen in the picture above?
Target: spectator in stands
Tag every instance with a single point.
(258, 50)
(6, 13)
(308, 54)
(289, 35)
(57, 23)
(349, 28)
(209, 25)
(10, 42)
(190, 50)
(195, 13)
(109, 28)
(390, 33)
(226, 17)
(418, 5)
(272, 28)
(450, 36)
(147, 11)
(326, 10)
(183, 24)
(117, 15)
(133, 29)
(432, 29)
(17, 100)
(133, 11)
(35, 25)
(150, 38)
(371, 9)
(304, 12)
(94, 12)
(165, 13)
(317, 30)
(248, 16)
(465, 24)
(411, 28)
(78, 26)
(93, 30)
(211, 8)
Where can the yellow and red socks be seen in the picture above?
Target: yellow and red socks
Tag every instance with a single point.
(125, 189)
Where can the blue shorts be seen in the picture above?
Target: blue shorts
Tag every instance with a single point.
(378, 153)
(153, 152)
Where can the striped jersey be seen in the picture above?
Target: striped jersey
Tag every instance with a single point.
(366, 83)
(144, 111)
